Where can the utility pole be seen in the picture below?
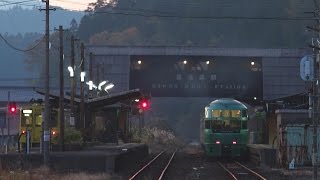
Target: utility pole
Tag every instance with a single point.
(61, 98)
(8, 120)
(316, 119)
(72, 113)
(90, 65)
(82, 118)
(46, 135)
(90, 71)
(46, 132)
(315, 99)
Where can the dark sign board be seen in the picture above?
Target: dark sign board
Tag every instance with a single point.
(197, 76)
(3, 120)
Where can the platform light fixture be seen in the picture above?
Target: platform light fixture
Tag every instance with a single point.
(71, 71)
(255, 98)
(139, 62)
(104, 85)
(101, 84)
(208, 62)
(27, 111)
(252, 63)
(109, 86)
(91, 85)
(185, 62)
(82, 76)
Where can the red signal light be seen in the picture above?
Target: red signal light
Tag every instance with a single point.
(144, 104)
(12, 107)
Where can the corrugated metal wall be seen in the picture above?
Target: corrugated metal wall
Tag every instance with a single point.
(113, 68)
(281, 77)
(295, 137)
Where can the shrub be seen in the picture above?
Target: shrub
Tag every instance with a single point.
(71, 136)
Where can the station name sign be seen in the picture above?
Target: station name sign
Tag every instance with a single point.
(176, 76)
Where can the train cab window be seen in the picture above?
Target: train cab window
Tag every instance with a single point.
(216, 113)
(207, 124)
(26, 120)
(244, 113)
(38, 119)
(235, 113)
(217, 125)
(226, 113)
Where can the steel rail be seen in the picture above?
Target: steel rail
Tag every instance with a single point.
(168, 164)
(243, 166)
(253, 172)
(226, 169)
(145, 166)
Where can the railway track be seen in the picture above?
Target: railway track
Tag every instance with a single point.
(238, 171)
(156, 167)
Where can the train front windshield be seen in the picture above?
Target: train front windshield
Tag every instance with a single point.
(226, 121)
(223, 125)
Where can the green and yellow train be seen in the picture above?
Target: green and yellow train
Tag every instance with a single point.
(31, 118)
(223, 128)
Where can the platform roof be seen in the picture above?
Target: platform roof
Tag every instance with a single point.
(101, 101)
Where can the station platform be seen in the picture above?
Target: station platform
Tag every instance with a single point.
(263, 155)
(96, 159)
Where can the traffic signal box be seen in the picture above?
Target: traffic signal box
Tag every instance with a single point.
(12, 107)
(141, 105)
(144, 104)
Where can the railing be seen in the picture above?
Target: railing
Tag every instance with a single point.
(8, 143)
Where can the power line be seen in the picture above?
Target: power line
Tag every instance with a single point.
(210, 17)
(13, 3)
(18, 49)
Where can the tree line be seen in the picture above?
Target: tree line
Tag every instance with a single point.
(258, 24)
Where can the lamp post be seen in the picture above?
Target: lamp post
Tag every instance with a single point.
(102, 86)
(82, 123)
(71, 71)
(82, 114)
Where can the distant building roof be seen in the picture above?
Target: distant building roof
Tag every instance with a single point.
(19, 94)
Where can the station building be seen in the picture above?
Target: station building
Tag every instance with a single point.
(183, 80)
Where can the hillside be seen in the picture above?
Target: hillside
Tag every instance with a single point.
(243, 23)
(22, 28)
(19, 20)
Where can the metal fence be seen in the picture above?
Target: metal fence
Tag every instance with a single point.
(9, 143)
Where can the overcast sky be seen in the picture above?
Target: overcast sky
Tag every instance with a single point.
(79, 5)
(72, 4)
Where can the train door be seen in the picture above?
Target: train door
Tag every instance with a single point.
(26, 119)
(37, 124)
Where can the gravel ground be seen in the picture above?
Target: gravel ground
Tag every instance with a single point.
(187, 165)
(196, 166)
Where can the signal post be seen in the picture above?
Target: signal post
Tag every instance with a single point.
(312, 71)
